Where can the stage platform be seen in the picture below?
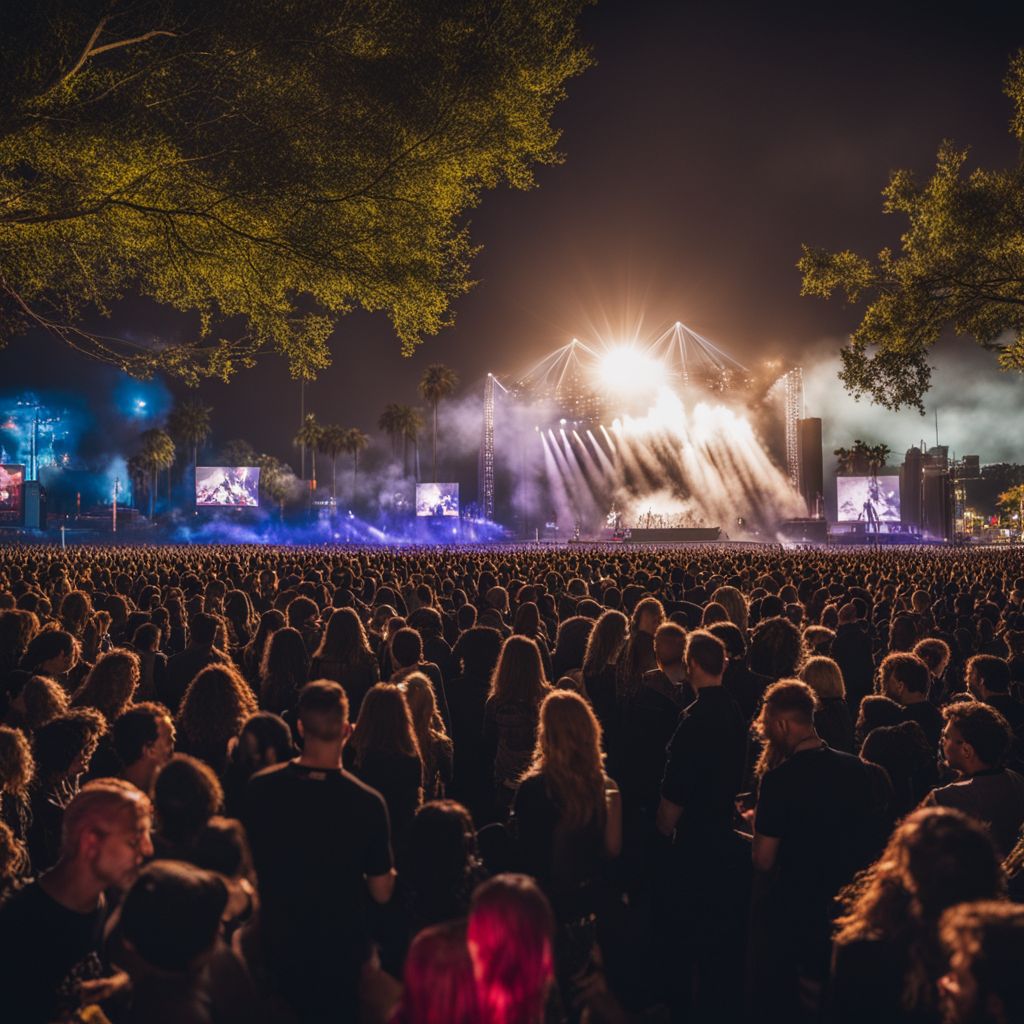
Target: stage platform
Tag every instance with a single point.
(673, 535)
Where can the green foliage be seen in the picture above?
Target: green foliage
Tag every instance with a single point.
(437, 383)
(189, 423)
(862, 457)
(265, 166)
(1012, 500)
(959, 268)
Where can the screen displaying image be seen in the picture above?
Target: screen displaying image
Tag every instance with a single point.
(228, 486)
(12, 481)
(437, 499)
(868, 499)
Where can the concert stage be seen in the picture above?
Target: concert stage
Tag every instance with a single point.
(673, 535)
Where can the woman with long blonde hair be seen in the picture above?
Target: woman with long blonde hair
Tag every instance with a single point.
(567, 812)
(434, 741)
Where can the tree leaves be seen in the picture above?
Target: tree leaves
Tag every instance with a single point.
(959, 269)
(264, 166)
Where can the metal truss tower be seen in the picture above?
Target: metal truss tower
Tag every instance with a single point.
(793, 381)
(486, 467)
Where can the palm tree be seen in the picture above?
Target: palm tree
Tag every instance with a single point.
(437, 383)
(412, 424)
(877, 456)
(391, 423)
(275, 479)
(157, 453)
(189, 423)
(138, 473)
(355, 442)
(309, 437)
(239, 453)
(333, 442)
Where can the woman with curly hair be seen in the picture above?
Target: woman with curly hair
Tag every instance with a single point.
(638, 656)
(62, 750)
(110, 685)
(887, 957)
(42, 700)
(240, 617)
(344, 656)
(75, 612)
(17, 770)
(567, 812)
(212, 713)
(285, 670)
(776, 648)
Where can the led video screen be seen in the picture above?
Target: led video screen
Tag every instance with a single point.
(228, 486)
(437, 499)
(868, 499)
(12, 483)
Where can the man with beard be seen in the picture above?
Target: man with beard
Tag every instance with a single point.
(985, 945)
(816, 810)
(53, 928)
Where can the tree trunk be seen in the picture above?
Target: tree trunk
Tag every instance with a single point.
(334, 481)
(435, 443)
(355, 470)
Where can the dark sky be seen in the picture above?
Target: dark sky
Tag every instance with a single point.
(709, 141)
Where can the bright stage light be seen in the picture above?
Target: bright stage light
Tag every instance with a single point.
(628, 371)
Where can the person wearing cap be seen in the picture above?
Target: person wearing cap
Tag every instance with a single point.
(53, 927)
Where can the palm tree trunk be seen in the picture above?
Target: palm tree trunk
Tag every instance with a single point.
(355, 470)
(435, 444)
(334, 481)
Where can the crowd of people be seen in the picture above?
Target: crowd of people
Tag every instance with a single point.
(511, 785)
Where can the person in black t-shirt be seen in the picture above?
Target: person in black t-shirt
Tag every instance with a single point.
(988, 679)
(709, 871)
(52, 929)
(815, 821)
(905, 678)
(320, 842)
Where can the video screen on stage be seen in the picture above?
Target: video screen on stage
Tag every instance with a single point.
(868, 499)
(12, 482)
(228, 486)
(437, 499)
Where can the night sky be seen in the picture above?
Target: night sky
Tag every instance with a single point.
(709, 141)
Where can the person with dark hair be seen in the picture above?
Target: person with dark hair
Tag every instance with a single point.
(975, 741)
(776, 648)
(186, 794)
(815, 824)
(265, 740)
(54, 653)
(706, 898)
(908, 760)
(152, 661)
(284, 671)
(984, 942)
(62, 749)
(252, 654)
(851, 650)
(407, 657)
(17, 772)
(904, 677)
(478, 650)
(518, 687)
(876, 710)
(651, 720)
(200, 652)
(52, 928)
(304, 615)
(988, 680)
(212, 712)
(344, 655)
(886, 958)
(143, 739)
(936, 654)
(443, 863)
(388, 756)
(320, 841)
